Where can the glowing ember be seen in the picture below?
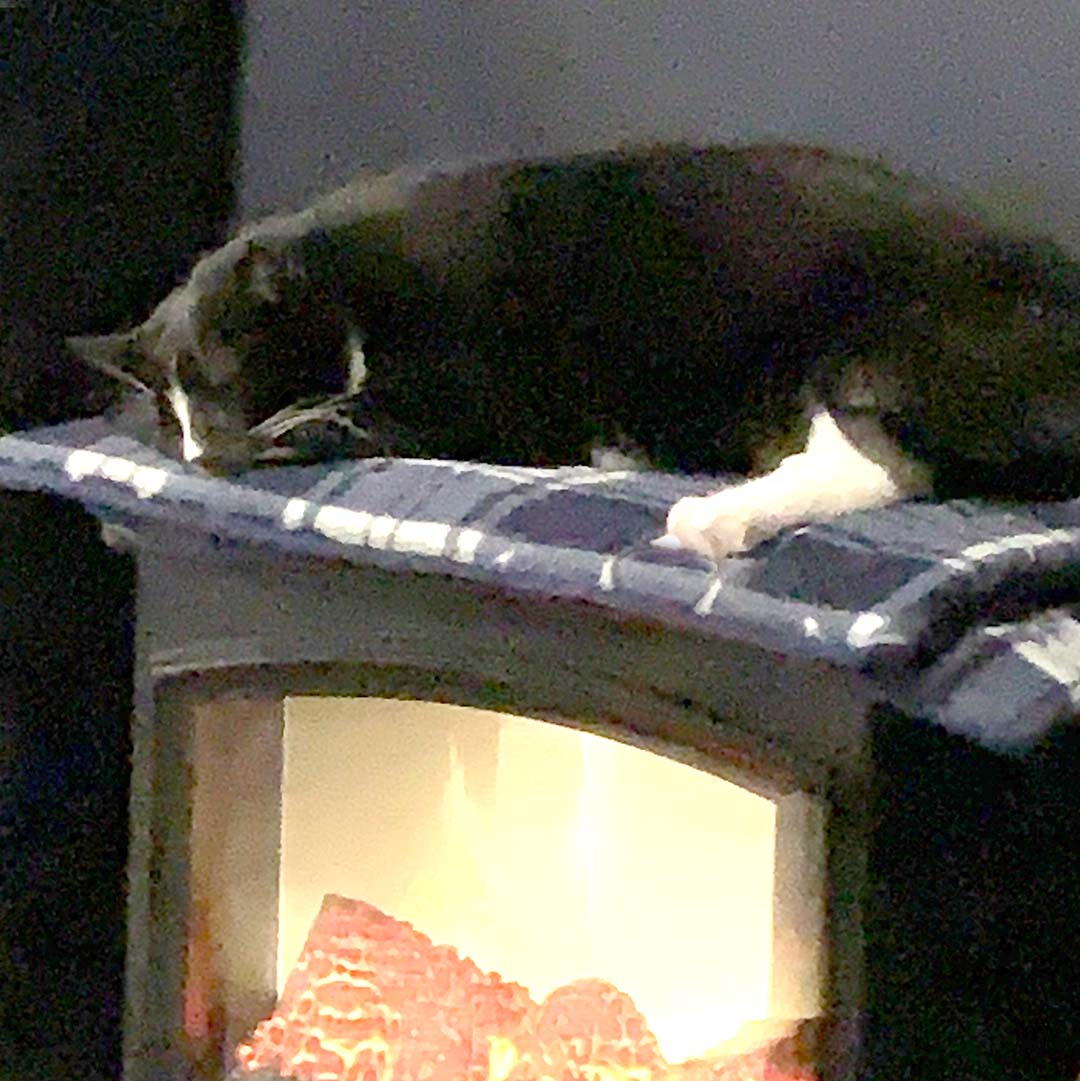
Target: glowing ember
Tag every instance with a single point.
(371, 999)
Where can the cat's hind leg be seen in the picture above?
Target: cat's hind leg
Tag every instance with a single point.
(830, 477)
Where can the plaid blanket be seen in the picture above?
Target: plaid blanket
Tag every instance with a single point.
(913, 594)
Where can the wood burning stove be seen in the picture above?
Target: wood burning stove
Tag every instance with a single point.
(861, 677)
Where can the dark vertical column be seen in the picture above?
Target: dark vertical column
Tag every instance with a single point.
(117, 138)
(847, 840)
(65, 695)
(973, 938)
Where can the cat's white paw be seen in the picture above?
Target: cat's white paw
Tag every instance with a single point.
(714, 526)
(830, 477)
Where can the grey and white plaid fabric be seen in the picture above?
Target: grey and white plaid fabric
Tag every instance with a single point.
(876, 590)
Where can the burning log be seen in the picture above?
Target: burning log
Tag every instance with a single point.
(372, 999)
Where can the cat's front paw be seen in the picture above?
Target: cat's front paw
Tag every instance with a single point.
(714, 526)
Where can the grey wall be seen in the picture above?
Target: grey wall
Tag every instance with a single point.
(984, 92)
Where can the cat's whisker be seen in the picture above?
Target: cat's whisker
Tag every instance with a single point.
(293, 416)
(286, 419)
(270, 425)
(281, 425)
(288, 424)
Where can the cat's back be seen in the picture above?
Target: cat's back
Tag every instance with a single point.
(770, 212)
(771, 216)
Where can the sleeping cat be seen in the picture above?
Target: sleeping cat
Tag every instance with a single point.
(715, 309)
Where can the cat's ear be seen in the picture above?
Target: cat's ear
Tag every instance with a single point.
(117, 355)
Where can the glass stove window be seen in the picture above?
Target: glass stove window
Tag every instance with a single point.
(544, 853)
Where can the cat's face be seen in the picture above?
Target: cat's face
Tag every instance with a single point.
(201, 414)
(243, 340)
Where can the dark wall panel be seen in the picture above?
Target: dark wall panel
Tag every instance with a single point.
(117, 143)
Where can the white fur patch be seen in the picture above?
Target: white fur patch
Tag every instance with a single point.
(828, 478)
(616, 460)
(354, 349)
(191, 448)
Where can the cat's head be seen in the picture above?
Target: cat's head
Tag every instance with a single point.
(244, 340)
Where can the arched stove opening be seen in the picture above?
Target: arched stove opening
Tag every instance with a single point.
(501, 851)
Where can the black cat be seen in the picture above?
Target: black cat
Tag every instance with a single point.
(708, 307)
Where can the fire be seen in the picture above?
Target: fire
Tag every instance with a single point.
(371, 999)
